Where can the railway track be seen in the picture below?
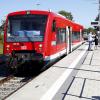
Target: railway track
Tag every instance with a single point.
(11, 84)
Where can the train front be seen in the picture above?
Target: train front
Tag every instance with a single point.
(24, 36)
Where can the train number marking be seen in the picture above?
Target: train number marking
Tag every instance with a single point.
(23, 47)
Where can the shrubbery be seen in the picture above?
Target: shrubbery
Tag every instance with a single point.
(1, 38)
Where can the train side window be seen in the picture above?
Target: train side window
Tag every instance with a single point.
(54, 26)
(75, 35)
(61, 37)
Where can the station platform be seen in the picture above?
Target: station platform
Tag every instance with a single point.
(86, 83)
(75, 77)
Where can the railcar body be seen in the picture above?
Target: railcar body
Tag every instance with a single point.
(39, 35)
(77, 33)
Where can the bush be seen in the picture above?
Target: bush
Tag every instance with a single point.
(1, 38)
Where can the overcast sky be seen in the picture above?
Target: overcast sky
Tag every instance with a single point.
(83, 11)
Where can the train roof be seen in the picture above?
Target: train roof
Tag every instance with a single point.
(46, 13)
(37, 12)
(29, 11)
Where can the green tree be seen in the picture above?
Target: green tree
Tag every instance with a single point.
(68, 15)
(90, 29)
(2, 26)
(2, 30)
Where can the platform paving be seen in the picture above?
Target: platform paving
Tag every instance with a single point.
(86, 84)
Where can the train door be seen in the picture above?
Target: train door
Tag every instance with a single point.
(69, 39)
(53, 38)
(80, 34)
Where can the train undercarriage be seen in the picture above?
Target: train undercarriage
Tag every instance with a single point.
(24, 60)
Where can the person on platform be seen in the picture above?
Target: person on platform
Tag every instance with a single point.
(90, 39)
(96, 41)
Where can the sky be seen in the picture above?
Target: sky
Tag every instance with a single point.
(83, 11)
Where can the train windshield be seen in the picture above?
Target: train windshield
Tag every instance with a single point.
(25, 28)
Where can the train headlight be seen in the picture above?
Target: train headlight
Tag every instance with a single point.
(28, 12)
(7, 49)
(8, 46)
(40, 45)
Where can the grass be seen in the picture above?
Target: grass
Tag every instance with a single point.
(1, 43)
(1, 48)
(1, 51)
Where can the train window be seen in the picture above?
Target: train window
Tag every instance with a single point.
(76, 36)
(8, 29)
(61, 35)
(54, 26)
(26, 28)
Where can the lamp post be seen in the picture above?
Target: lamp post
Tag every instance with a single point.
(38, 4)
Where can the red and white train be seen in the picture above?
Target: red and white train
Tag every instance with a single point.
(40, 35)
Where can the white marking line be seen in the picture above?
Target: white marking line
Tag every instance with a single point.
(56, 86)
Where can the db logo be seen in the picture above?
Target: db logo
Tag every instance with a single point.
(23, 47)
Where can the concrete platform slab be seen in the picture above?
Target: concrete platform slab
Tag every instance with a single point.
(91, 89)
(76, 84)
(90, 73)
(95, 62)
(90, 68)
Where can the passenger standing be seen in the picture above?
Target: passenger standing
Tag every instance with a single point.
(96, 41)
(90, 39)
